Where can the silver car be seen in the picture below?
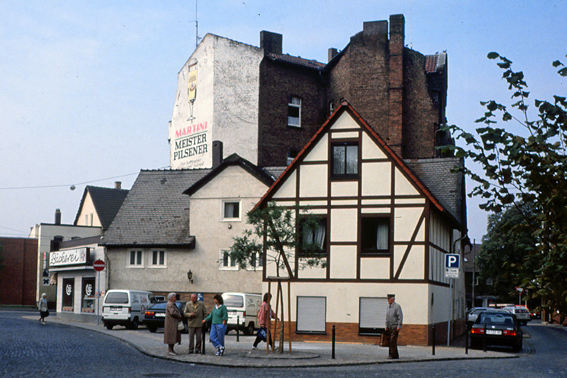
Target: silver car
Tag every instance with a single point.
(473, 314)
(522, 314)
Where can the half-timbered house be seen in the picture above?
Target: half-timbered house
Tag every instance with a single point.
(385, 227)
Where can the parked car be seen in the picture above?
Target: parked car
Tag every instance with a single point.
(473, 314)
(125, 307)
(154, 316)
(242, 311)
(497, 327)
(522, 314)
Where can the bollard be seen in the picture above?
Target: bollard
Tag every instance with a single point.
(466, 338)
(333, 344)
(433, 345)
(238, 329)
(484, 339)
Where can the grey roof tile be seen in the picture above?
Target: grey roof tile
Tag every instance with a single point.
(155, 212)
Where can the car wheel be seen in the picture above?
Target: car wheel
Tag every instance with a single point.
(152, 329)
(109, 326)
(250, 329)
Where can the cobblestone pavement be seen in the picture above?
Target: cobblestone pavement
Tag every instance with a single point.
(304, 354)
(63, 348)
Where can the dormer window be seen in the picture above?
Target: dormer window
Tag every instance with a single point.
(294, 112)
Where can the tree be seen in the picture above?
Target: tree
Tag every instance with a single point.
(526, 163)
(276, 234)
(504, 253)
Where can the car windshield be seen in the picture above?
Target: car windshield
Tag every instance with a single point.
(158, 306)
(233, 301)
(496, 319)
(117, 298)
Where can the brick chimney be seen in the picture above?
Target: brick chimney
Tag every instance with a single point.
(395, 103)
(217, 153)
(271, 42)
(117, 184)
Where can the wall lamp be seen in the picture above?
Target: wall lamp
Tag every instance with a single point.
(190, 275)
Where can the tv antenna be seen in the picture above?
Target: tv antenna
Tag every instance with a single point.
(197, 39)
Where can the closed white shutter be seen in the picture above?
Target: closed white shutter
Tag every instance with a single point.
(373, 312)
(311, 314)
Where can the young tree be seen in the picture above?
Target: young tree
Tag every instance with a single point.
(525, 162)
(276, 234)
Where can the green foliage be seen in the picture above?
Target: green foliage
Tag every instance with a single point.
(505, 252)
(526, 162)
(276, 235)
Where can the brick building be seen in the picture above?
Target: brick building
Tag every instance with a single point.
(266, 105)
(18, 276)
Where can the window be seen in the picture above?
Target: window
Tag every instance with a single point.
(291, 154)
(136, 258)
(345, 159)
(226, 262)
(255, 262)
(375, 235)
(88, 296)
(371, 315)
(294, 112)
(313, 236)
(158, 258)
(311, 314)
(68, 294)
(231, 210)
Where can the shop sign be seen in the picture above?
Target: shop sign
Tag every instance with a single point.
(69, 257)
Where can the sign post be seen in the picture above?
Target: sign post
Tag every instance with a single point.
(452, 264)
(98, 265)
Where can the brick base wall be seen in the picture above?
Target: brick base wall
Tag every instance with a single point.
(411, 334)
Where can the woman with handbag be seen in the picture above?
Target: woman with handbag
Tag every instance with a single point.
(173, 317)
(42, 306)
(264, 322)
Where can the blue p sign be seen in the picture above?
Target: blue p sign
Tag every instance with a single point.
(452, 261)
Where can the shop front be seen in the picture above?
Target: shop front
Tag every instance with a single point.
(79, 286)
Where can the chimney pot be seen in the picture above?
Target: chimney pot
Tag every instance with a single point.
(217, 153)
(57, 216)
(117, 184)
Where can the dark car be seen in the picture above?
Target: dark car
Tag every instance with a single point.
(473, 314)
(497, 328)
(154, 316)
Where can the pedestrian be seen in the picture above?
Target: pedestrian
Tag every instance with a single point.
(394, 319)
(42, 306)
(264, 322)
(218, 317)
(195, 312)
(171, 334)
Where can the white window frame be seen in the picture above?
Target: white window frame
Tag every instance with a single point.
(258, 265)
(230, 266)
(139, 253)
(294, 102)
(233, 219)
(158, 265)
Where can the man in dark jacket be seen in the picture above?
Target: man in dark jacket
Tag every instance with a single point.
(394, 319)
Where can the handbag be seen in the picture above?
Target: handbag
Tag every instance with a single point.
(180, 326)
(262, 333)
(46, 314)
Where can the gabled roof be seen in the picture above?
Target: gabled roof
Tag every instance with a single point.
(232, 160)
(346, 107)
(155, 212)
(107, 202)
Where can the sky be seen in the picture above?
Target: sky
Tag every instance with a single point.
(87, 88)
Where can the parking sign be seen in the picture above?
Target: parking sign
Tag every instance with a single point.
(452, 263)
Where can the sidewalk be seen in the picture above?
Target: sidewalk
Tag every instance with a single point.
(304, 354)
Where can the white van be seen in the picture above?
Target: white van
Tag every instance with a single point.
(242, 311)
(125, 307)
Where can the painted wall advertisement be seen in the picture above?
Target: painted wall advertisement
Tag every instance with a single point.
(191, 143)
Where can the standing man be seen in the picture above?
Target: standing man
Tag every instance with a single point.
(394, 319)
(195, 312)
